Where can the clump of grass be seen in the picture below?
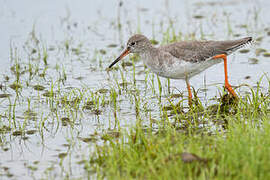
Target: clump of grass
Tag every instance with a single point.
(241, 151)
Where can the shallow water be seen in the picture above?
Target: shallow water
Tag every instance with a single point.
(51, 137)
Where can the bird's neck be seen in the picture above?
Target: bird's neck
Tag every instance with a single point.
(150, 56)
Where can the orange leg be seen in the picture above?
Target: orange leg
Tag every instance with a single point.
(189, 93)
(227, 85)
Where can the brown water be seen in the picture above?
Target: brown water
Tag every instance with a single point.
(51, 137)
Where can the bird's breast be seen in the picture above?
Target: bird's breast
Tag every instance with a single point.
(172, 67)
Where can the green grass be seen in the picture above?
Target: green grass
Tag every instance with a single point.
(131, 124)
(239, 151)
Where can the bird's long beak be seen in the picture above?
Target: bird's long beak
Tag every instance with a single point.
(126, 52)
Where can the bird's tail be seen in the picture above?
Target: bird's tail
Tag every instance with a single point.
(234, 45)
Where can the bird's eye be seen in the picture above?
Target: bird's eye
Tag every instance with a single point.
(132, 44)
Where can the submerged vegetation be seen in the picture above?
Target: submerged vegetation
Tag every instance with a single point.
(63, 115)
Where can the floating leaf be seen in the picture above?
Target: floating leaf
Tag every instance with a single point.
(247, 77)
(88, 139)
(115, 134)
(267, 54)
(33, 168)
(237, 35)
(38, 87)
(33, 51)
(97, 111)
(30, 113)
(243, 26)
(112, 45)
(176, 95)
(15, 86)
(79, 78)
(259, 51)
(89, 105)
(259, 39)
(82, 162)
(51, 48)
(77, 51)
(198, 16)
(65, 121)
(253, 60)
(111, 134)
(4, 129)
(17, 133)
(102, 91)
(62, 155)
(30, 132)
(102, 51)
(124, 84)
(124, 64)
(36, 162)
(114, 68)
(5, 95)
(244, 51)
(48, 94)
(168, 108)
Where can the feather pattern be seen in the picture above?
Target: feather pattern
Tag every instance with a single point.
(197, 51)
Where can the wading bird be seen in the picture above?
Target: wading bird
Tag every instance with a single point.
(185, 59)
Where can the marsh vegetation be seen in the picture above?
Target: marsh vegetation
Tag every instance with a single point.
(64, 116)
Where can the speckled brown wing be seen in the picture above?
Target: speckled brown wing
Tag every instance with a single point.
(196, 51)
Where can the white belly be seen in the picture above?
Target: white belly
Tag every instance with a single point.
(182, 69)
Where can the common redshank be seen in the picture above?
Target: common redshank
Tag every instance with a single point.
(185, 59)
